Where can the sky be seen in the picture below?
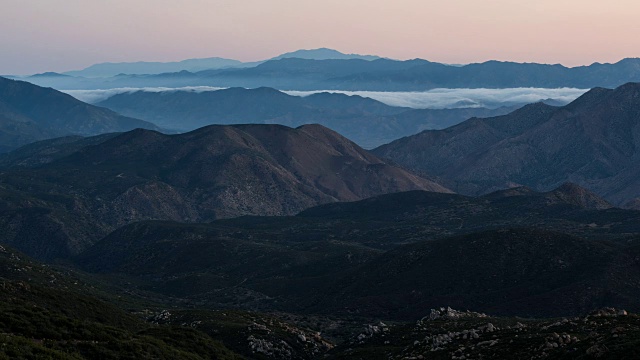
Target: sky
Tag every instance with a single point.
(61, 35)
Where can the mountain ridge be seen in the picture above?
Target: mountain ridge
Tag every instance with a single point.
(86, 188)
(366, 121)
(356, 74)
(591, 141)
(29, 113)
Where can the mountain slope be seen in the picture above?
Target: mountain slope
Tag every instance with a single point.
(593, 142)
(367, 122)
(291, 267)
(49, 313)
(341, 250)
(30, 113)
(213, 172)
(522, 271)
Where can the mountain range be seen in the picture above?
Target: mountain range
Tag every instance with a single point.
(592, 141)
(195, 65)
(373, 75)
(80, 189)
(367, 122)
(29, 113)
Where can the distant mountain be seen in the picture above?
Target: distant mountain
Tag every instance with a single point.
(495, 74)
(104, 70)
(145, 67)
(420, 75)
(288, 73)
(323, 54)
(366, 121)
(49, 74)
(592, 142)
(307, 74)
(29, 113)
(46, 151)
(57, 205)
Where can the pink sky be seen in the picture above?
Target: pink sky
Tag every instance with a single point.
(59, 35)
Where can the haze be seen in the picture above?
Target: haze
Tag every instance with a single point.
(59, 35)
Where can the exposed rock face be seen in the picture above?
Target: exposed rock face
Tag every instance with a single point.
(450, 314)
(602, 334)
(592, 142)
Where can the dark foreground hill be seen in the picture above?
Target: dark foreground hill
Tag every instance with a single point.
(450, 334)
(516, 272)
(48, 313)
(29, 113)
(394, 256)
(55, 313)
(593, 141)
(367, 122)
(58, 208)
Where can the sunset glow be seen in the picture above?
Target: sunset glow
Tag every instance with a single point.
(58, 35)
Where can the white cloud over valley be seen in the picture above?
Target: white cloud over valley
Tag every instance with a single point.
(433, 99)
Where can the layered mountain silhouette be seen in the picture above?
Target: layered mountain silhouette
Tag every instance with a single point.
(367, 122)
(314, 72)
(30, 113)
(146, 67)
(416, 75)
(377, 75)
(213, 172)
(593, 142)
(195, 65)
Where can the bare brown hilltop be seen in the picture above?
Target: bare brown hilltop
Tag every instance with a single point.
(210, 173)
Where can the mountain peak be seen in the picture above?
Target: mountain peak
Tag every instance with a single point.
(628, 91)
(241, 166)
(49, 74)
(575, 194)
(323, 54)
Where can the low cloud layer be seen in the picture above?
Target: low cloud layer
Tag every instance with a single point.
(433, 99)
(457, 98)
